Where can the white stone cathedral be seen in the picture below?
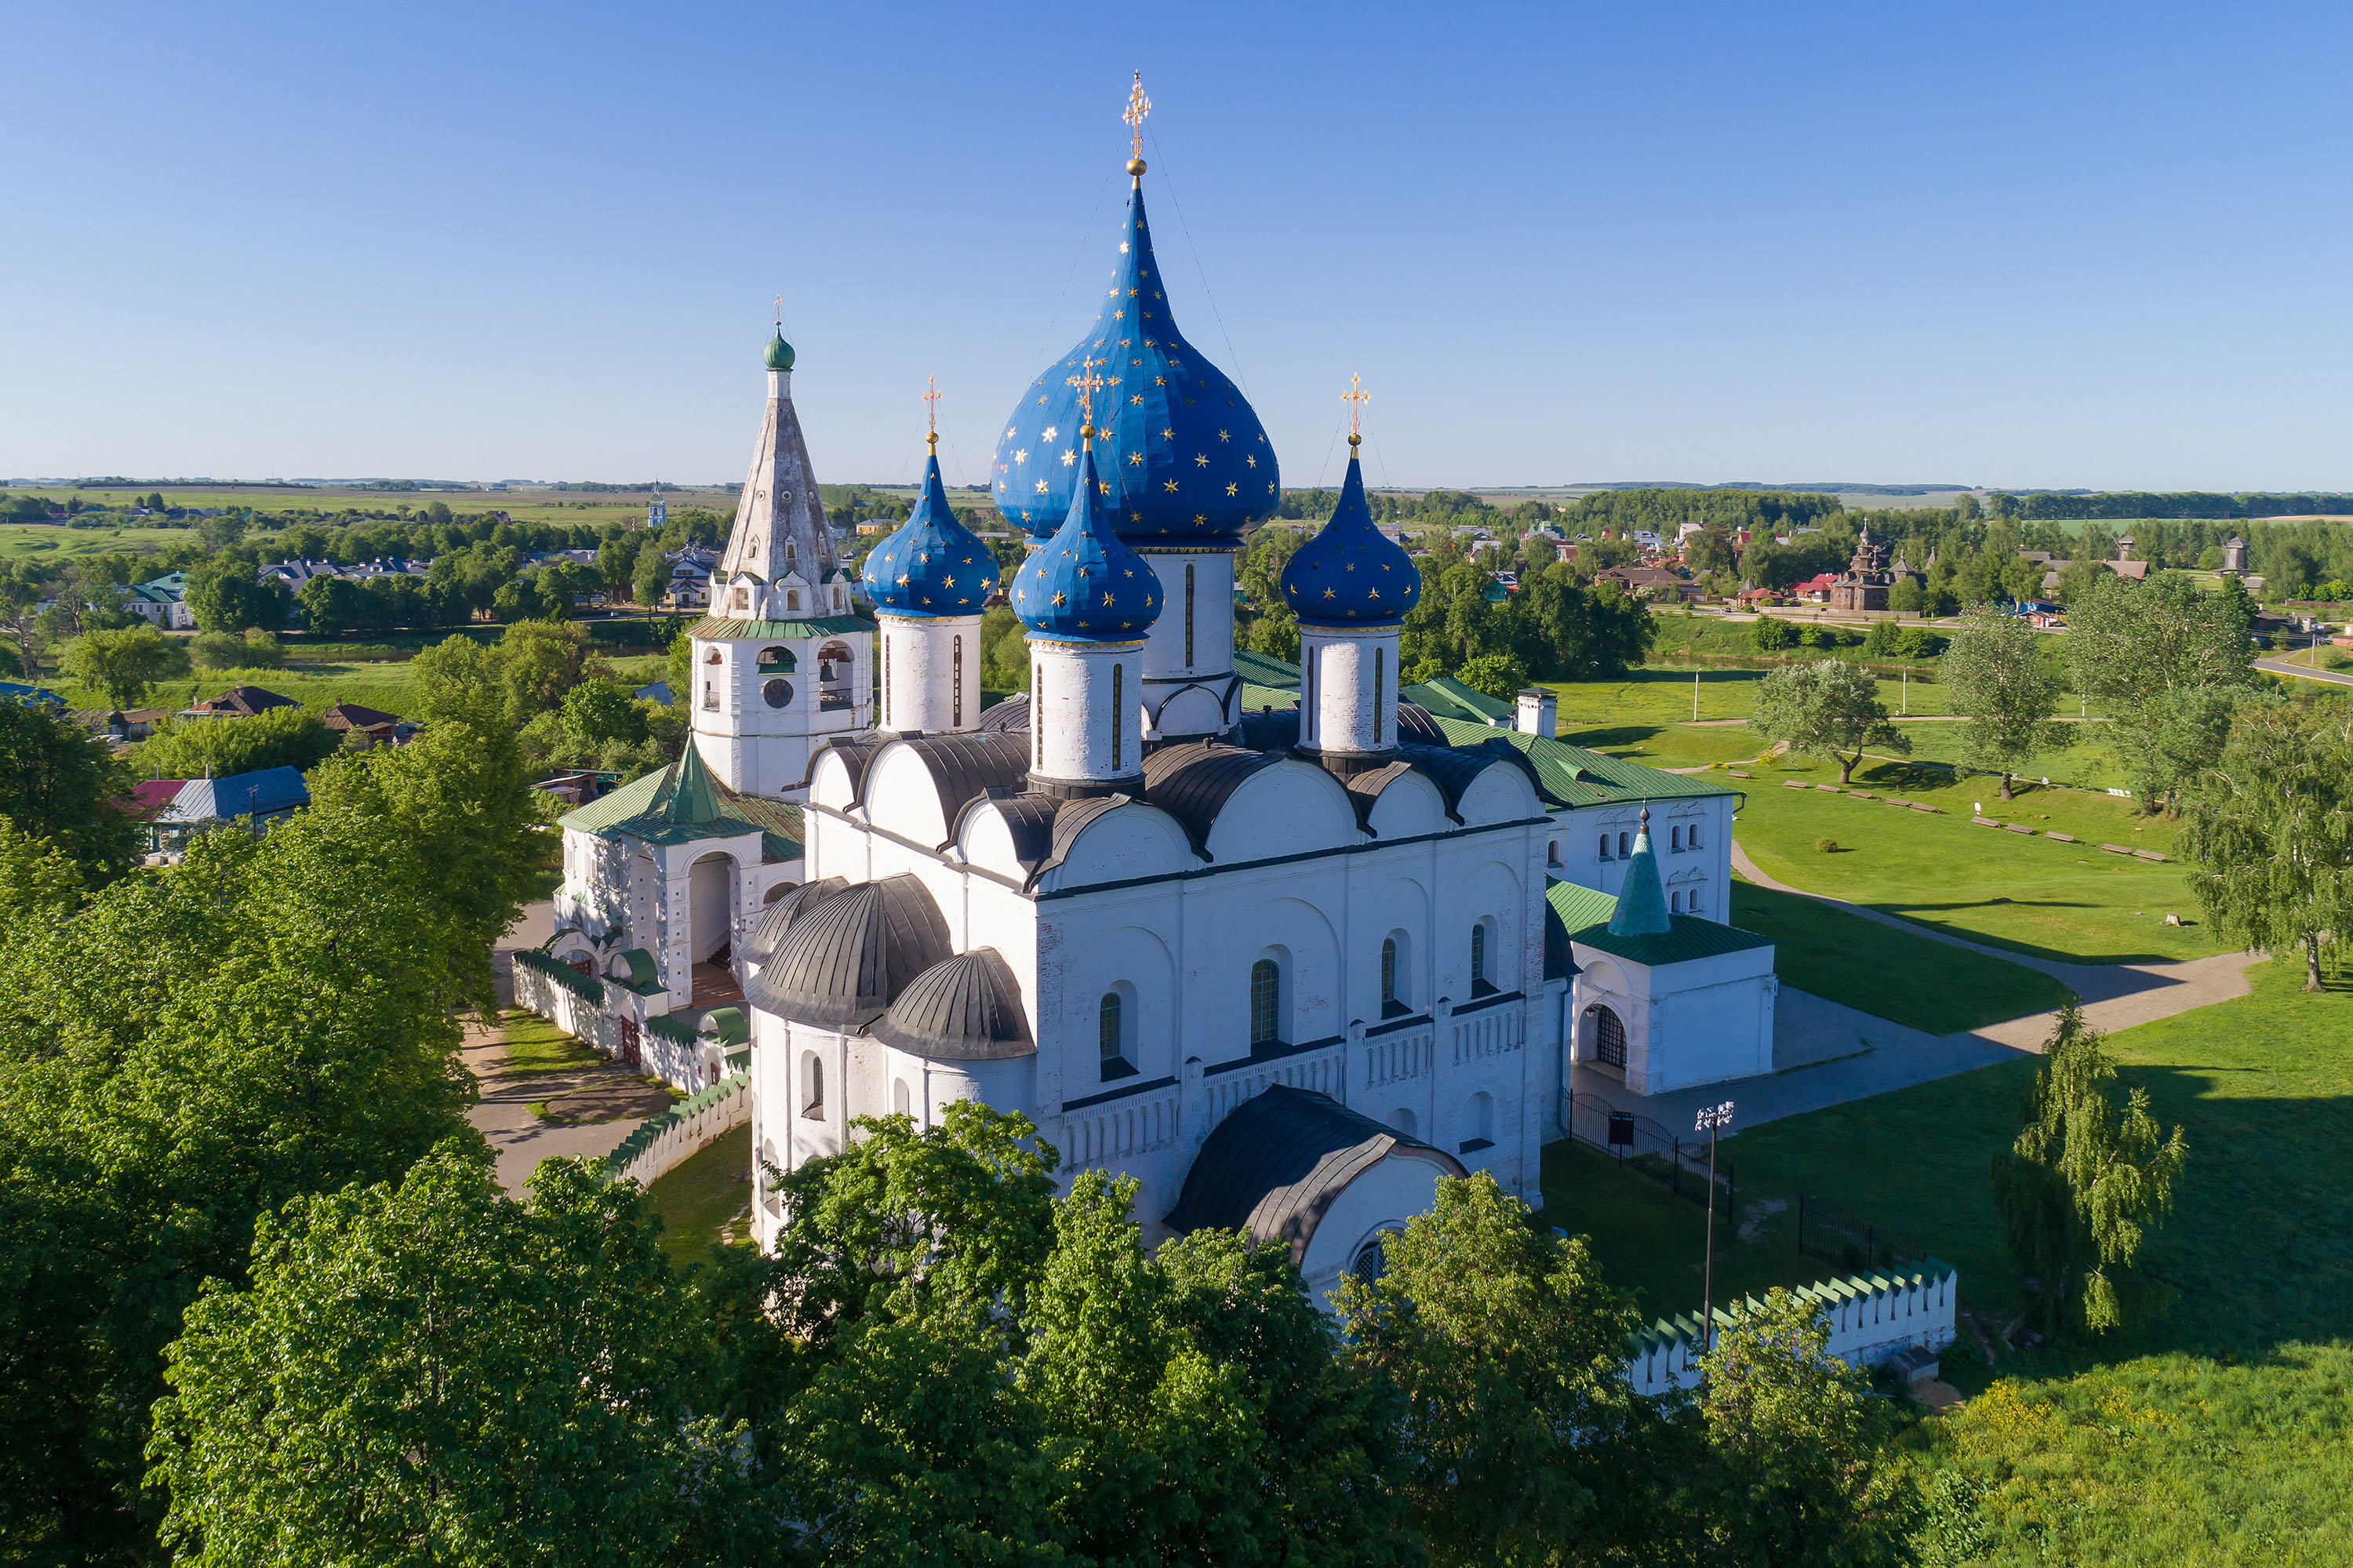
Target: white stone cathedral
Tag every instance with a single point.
(1286, 967)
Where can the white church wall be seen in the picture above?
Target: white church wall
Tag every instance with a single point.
(1133, 962)
(1381, 1200)
(1498, 795)
(1287, 810)
(830, 781)
(900, 791)
(1135, 839)
(1398, 909)
(984, 840)
(1412, 805)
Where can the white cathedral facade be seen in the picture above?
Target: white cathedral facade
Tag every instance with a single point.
(1286, 967)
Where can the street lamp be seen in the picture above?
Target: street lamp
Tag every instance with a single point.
(1712, 1119)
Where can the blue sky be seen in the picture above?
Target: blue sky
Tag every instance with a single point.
(2010, 245)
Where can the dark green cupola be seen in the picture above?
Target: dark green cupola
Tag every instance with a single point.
(780, 353)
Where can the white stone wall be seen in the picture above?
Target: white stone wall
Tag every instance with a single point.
(1347, 688)
(1705, 1022)
(1078, 732)
(1691, 838)
(931, 673)
(1871, 1318)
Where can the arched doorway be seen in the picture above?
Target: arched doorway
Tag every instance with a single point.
(1608, 1037)
(833, 666)
(711, 903)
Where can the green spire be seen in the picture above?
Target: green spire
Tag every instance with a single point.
(1641, 903)
(690, 794)
(780, 353)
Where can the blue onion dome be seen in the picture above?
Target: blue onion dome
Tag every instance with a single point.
(931, 564)
(1186, 460)
(780, 353)
(1351, 573)
(1082, 585)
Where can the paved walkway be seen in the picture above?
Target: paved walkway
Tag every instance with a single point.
(502, 1115)
(2304, 671)
(1826, 1053)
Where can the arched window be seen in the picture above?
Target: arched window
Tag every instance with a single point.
(742, 598)
(1676, 839)
(812, 1087)
(1675, 902)
(1552, 852)
(1477, 1125)
(776, 661)
(789, 562)
(902, 1102)
(792, 600)
(711, 696)
(1402, 1119)
(1370, 1263)
(1625, 844)
(1601, 850)
(1480, 985)
(714, 658)
(1388, 973)
(1266, 1003)
(1691, 836)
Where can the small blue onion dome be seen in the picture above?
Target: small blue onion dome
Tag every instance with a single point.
(1082, 585)
(1183, 454)
(931, 565)
(1351, 573)
(780, 353)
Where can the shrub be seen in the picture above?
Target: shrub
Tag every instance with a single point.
(216, 650)
(1827, 846)
(1771, 636)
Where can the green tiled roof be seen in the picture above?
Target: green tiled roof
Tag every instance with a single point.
(1586, 912)
(715, 629)
(1255, 697)
(1579, 777)
(1263, 669)
(1447, 697)
(682, 803)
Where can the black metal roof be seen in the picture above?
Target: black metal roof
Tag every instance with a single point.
(1276, 1164)
(964, 767)
(847, 958)
(967, 1008)
(769, 934)
(1414, 722)
(1270, 729)
(1364, 788)
(1193, 780)
(1560, 955)
(1011, 713)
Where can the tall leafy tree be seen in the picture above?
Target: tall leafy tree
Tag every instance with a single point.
(432, 1372)
(2153, 652)
(1825, 708)
(218, 748)
(2083, 1186)
(1996, 678)
(1509, 1353)
(2270, 830)
(126, 664)
(56, 784)
(1796, 1474)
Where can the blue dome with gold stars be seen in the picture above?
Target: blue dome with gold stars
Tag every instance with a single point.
(1183, 459)
(931, 564)
(1351, 573)
(1082, 585)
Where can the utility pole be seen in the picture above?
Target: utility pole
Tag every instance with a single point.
(1712, 1120)
(1695, 696)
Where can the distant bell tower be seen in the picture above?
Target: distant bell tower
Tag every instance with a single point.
(783, 661)
(658, 513)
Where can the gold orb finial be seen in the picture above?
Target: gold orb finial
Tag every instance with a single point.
(1135, 166)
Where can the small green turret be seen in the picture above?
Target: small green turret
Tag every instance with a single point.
(780, 353)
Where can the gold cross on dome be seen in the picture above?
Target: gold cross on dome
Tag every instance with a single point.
(1138, 106)
(780, 315)
(1355, 397)
(1089, 384)
(932, 410)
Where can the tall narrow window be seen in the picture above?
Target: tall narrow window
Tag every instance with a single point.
(1107, 1025)
(956, 718)
(789, 555)
(1389, 971)
(1266, 997)
(888, 706)
(1478, 954)
(1118, 702)
(1189, 615)
(1038, 714)
(1380, 689)
(812, 1087)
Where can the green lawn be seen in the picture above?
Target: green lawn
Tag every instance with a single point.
(2219, 1436)
(1892, 974)
(385, 685)
(2063, 901)
(1647, 714)
(698, 1198)
(534, 1046)
(32, 542)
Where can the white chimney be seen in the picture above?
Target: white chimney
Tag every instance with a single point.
(1539, 712)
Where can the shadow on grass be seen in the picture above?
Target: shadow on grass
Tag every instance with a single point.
(1625, 735)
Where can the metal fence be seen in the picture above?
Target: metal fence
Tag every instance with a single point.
(1676, 1161)
(1850, 1240)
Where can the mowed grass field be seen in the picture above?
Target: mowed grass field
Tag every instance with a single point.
(699, 1197)
(387, 685)
(1915, 980)
(2218, 1436)
(2073, 902)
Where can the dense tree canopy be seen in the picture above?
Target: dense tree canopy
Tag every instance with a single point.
(2270, 830)
(56, 784)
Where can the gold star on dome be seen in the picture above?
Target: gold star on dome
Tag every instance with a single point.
(1223, 436)
(947, 582)
(1041, 487)
(1123, 245)
(1167, 435)
(1135, 459)
(1199, 518)
(1069, 456)
(1107, 601)
(1021, 454)
(1131, 293)
(1251, 460)
(1229, 490)
(1008, 434)
(1136, 362)
(1061, 598)
(1049, 432)
(1372, 593)
(1135, 398)
(1200, 460)
(1329, 594)
(901, 579)
(1351, 566)
(1169, 484)
(1119, 315)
